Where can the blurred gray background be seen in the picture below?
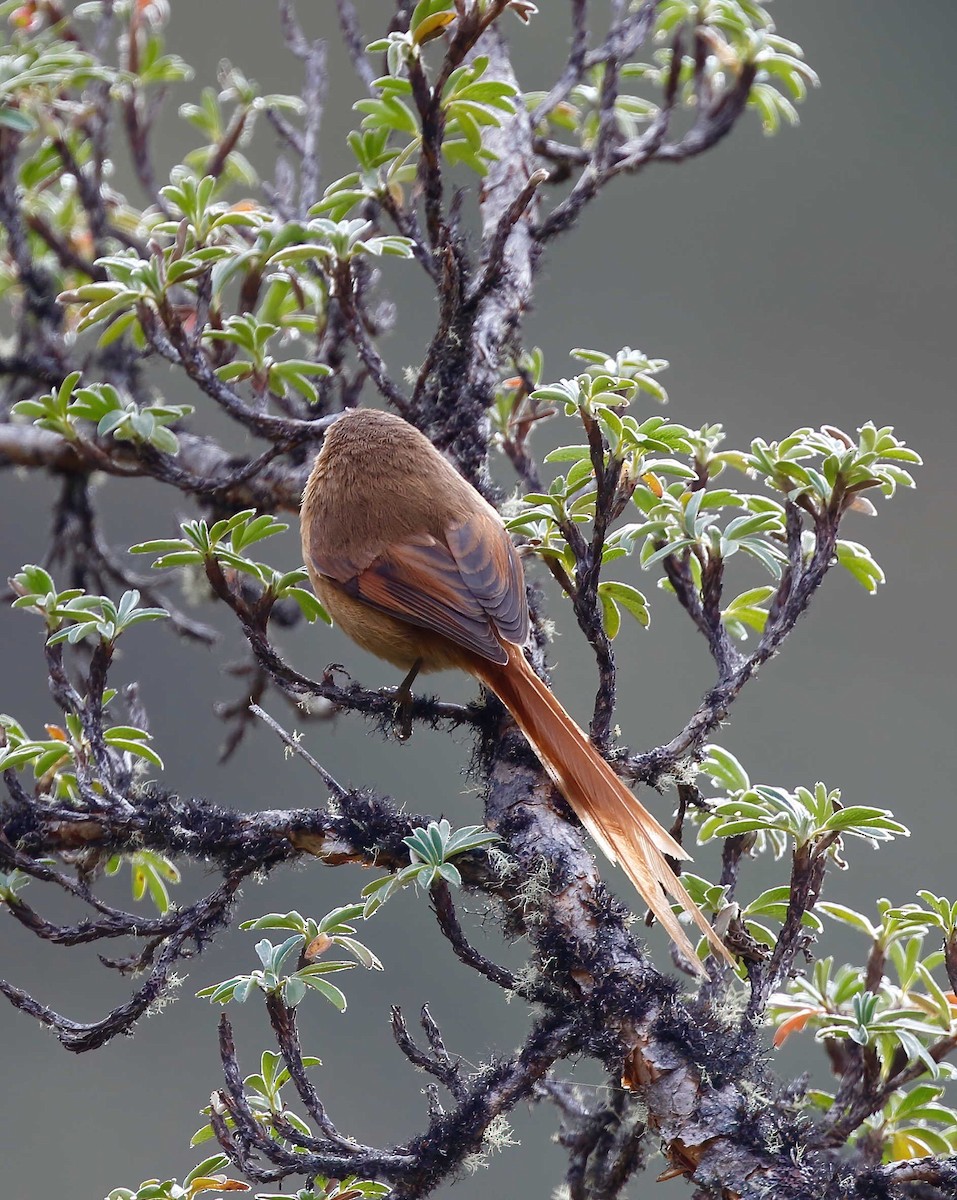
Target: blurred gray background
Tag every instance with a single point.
(791, 281)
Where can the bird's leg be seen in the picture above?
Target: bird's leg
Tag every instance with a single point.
(403, 703)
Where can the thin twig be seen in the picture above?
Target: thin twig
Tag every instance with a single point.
(292, 741)
(354, 42)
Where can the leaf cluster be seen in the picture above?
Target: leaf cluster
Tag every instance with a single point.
(36, 71)
(205, 1177)
(227, 116)
(102, 405)
(469, 101)
(801, 816)
(225, 542)
(896, 1011)
(54, 759)
(311, 940)
(150, 873)
(263, 1092)
(73, 615)
(431, 850)
(276, 978)
(670, 474)
(252, 336)
(729, 35)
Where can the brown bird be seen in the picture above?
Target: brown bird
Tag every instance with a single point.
(418, 568)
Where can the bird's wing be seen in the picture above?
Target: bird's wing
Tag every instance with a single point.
(490, 568)
(468, 587)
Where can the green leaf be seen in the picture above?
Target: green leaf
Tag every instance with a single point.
(206, 1168)
(610, 615)
(725, 770)
(870, 822)
(848, 916)
(15, 119)
(629, 598)
(325, 989)
(568, 454)
(290, 920)
(165, 440)
(310, 607)
(857, 559)
(138, 750)
(294, 991)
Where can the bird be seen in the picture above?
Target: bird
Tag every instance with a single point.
(416, 566)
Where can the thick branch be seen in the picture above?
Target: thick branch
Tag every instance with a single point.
(689, 1069)
(202, 467)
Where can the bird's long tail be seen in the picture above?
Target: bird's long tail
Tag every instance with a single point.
(623, 828)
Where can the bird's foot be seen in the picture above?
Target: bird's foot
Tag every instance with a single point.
(402, 713)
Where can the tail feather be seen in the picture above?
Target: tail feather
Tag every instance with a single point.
(623, 828)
